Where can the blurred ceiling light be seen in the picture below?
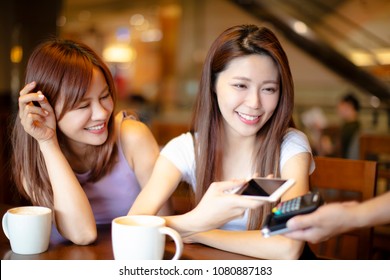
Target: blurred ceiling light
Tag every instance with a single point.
(137, 20)
(300, 27)
(361, 58)
(383, 56)
(375, 57)
(151, 35)
(16, 54)
(119, 53)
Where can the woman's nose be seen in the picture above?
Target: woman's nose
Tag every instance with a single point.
(253, 99)
(99, 112)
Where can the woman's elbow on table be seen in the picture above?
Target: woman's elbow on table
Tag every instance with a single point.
(85, 238)
(292, 250)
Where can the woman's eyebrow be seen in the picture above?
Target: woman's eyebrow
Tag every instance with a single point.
(247, 79)
(104, 89)
(241, 78)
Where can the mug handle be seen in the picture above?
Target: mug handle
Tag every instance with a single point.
(176, 237)
(5, 224)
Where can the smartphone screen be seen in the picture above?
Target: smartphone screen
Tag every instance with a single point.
(262, 186)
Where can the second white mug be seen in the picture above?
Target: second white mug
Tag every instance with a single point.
(142, 237)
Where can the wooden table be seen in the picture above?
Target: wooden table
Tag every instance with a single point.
(102, 249)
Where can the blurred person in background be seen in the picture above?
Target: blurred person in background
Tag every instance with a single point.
(348, 109)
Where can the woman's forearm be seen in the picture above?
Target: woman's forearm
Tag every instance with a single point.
(372, 212)
(250, 243)
(73, 214)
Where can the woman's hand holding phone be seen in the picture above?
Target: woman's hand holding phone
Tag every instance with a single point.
(218, 206)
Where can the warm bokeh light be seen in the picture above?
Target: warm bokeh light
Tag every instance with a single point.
(383, 56)
(374, 57)
(362, 58)
(151, 35)
(119, 53)
(300, 27)
(16, 54)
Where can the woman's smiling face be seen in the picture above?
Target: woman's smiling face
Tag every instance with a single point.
(86, 124)
(248, 93)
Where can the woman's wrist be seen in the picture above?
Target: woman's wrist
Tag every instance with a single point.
(186, 224)
(355, 216)
(49, 144)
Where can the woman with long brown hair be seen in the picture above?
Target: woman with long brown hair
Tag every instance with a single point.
(242, 125)
(70, 152)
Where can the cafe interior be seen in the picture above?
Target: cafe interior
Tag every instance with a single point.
(155, 50)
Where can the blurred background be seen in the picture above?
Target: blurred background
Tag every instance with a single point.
(155, 49)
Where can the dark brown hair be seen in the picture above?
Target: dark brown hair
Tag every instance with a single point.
(207, 122)
(62, 70)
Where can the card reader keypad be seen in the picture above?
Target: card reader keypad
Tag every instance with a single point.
(285, 207)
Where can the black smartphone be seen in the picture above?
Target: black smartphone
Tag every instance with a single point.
(268, 189)
(275, 222)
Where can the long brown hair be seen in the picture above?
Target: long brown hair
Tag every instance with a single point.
(207, 120)
(62, 70)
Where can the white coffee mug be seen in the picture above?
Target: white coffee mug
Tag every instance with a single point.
(28, 229)
(142, 237)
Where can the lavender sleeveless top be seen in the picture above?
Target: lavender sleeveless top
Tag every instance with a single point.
(111, 196)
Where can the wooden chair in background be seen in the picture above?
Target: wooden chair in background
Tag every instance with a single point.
(377, 147)
(181, 200)
(340, 179)
(164, 131)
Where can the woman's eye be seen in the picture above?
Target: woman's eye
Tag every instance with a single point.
(105, 96)
(239, 86)
(269, 90)
(82, 106)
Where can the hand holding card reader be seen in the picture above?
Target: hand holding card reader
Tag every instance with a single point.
(276, 221)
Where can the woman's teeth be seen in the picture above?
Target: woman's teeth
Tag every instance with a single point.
(95, 127)
(248, 117)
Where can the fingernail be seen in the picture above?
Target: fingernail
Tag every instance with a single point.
(41, 96)
(32, 83)
(45, 112)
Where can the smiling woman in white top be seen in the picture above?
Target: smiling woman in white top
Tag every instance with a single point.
(242, 125)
